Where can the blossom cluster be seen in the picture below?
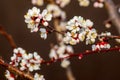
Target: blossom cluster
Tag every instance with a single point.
(38, 77)
(37, 2)
(9, 76)
(78, 29)
(84, 3)
(61, 51)
(25, 62)
(62, 3)
(101, 45)
(37, 21)
(99, 4)
(56, 11)
(105, 34)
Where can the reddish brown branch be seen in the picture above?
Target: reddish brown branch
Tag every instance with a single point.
(81, 54)
(8, 37)
(15, 70)
(28, 76)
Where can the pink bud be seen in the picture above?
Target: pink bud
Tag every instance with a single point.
(80, 56)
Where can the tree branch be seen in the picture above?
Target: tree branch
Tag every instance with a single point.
(15, 70)
(111, 36)
(83, 54)
(113, 14)
(8, 37)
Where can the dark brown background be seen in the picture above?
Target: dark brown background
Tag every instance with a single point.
(92, 67)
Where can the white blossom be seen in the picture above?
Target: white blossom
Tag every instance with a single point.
(56, 11)
(105, 34)
(35, 19)
(53, 53)
(65, 63)
(37, 2)
(31, 62)
(46, 15)
(100, 46)
(89, 23)
(17, 56)
(62, 3)
(38, 77)
(26, 61)
(61, 51)
(84, 3)
(91, 35)
(78, 29)
(43, 33)
(99, 4)
(32, 18)
(9, 76)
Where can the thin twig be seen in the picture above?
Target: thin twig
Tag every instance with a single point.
(81, 54)
(111, 36)
(8, 37)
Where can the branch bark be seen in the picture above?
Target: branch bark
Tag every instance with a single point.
(15, 70)
(113, 14)
(8, 37)
(83, 54)
(69, 74)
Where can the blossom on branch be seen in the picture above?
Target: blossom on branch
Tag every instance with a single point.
(32, 18)
(65, 63)
(61, 51)
(31, 62)
(38, 77)
(36, 20)
(78, 29)
(56, 11)
(37, 2)
(100, 46)
(62, 3)
(43, 33)
(9, 76)
(26, 61)
(99, 4)
(17, 56)
(103, 44)
(105, 34)
(84, 3)
(46, 16)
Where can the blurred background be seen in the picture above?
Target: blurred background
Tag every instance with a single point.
(92, 67)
